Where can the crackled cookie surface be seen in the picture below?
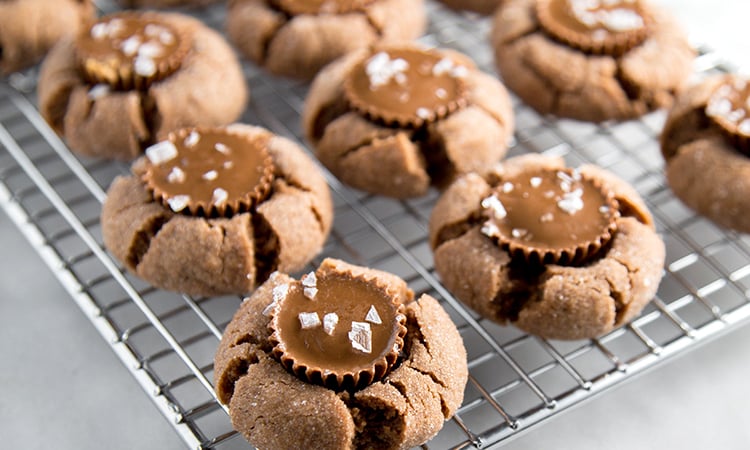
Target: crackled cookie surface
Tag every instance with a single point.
(479, 6)
(297, 38)
(590, 60)
(343, 358)
(706, 146)
(560, 253)
(130, 78)
(397, 119)
(212, 211)
(30, 28)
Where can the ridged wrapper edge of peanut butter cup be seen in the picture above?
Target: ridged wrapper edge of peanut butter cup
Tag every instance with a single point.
(232, 205)
(412, 118)
(126, 76)
(350, 380)
(613, 44)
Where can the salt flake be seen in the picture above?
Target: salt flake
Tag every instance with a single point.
(144, 66)
(535, 182)
(310, 292)
(210, 175)
(361, 337)
(130, 45)
(176, 175)
(192, 139)
(178, 202)
(309, 280)
(280, 292)
(219, 197)
(99, 91)
(161, 152)
(221, 148)
(330, 321)
(373, 316)
(308, 320)
(496, 206)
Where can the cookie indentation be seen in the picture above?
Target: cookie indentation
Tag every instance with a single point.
(297, 7)
(729, 108)
(336, 331)
(602, 27)
(209, 172)
(406, 87)
(550, 216)
(130, 50)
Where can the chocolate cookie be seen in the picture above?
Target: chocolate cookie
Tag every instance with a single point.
(29, 28)
(131, 78)
(163, 3)
(478, 6)
(560, 253)
(297, 38)
(590, 60)
(344, 358)
(395, 119)
(213, 211)
(706, 146)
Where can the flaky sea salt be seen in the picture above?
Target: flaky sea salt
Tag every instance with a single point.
(309, 280)
(130, 45)
(361, 337)
(571, 202)
(381, 69)
(150, 50)
(161, 152)
(489, 229)
(210, 175)
(535, 182)
(308, 320)
(176, 175)
(192, 139)
(508, 187)
(330, 321)
(423, 113)
(496, 206)
(178, 202)
(100, 31)
(219, 197)
(744, 127)
(373, 316)
(518, 233)
(144, 66)
(621, 19)
(221, 148)
(280, 292)
(310, 292)
(98, 91)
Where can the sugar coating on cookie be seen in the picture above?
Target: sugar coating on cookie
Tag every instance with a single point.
(705, 143)
(296, 38)
(213, 171)
(398, 118)
(130, 78)
(592, 60)
(345, 336)
(214, 211)
(274, 404)
(560, 253)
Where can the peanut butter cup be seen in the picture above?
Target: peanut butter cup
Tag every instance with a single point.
(336, 330)
(130, 50)
(209, 172)
(608, 27)
(298, 7)
(550, 216)
(406, 87)
(729, 108)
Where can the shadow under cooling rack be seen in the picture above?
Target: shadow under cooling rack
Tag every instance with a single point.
(167, 341)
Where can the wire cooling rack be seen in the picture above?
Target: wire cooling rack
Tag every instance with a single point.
(167, 341)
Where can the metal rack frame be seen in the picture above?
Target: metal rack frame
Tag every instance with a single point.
(167, 340)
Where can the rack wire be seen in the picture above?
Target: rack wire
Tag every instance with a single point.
(167, 340)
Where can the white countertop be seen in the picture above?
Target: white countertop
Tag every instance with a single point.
(62, 387)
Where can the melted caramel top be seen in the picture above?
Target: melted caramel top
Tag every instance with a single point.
(548, 212)
(129, 50)
(209, 172)
(337, 324)
(600, 26)
(406, 86)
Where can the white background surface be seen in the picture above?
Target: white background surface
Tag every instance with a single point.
(61, 387)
